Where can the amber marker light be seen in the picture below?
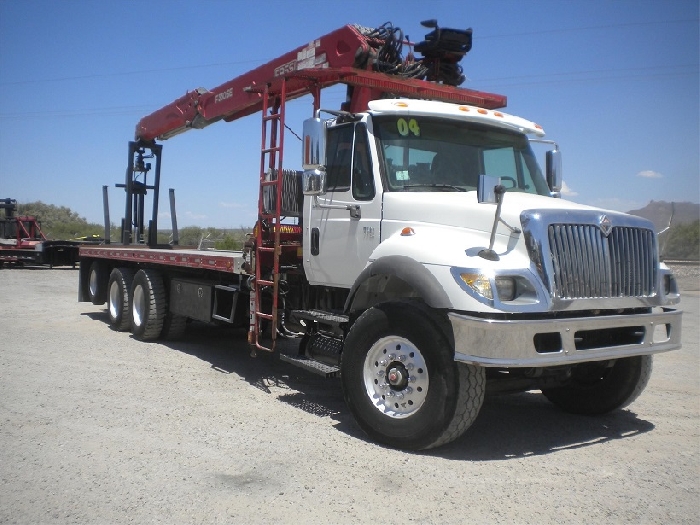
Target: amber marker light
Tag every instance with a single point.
(407, 231)
(401, 104)
(479, 283)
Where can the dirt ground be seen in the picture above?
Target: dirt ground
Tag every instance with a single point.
(97, 427)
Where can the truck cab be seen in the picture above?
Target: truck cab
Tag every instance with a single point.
(437, 215)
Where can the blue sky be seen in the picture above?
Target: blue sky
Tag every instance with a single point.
(614, 82)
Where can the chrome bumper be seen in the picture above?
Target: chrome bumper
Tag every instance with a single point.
(498, 343)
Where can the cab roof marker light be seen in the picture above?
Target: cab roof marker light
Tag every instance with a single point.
(483, 111)
(498, 114)
(401, 104)
(464, 108)
(407, 231)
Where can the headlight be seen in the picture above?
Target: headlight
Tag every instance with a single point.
(509, 289)
(481, 284)
(505, 286)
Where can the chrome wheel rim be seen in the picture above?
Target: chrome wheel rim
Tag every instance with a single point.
(396, 377)
(139, 305)
(114, 300)
(93, 284)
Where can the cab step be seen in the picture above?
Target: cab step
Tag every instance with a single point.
(311, 365)
(320, 316)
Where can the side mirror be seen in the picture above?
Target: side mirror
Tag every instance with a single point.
(486, 190)
(313, 153)
(554, 173)
(314, 181)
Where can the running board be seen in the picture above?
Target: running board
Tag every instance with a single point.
(320, 317)
(311, 365)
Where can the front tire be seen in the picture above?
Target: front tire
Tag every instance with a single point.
(400, 380)
(148, 305)
(599, 388)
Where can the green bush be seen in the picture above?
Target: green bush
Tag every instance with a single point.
(60, 222)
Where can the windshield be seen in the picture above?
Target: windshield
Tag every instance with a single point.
(432, 154)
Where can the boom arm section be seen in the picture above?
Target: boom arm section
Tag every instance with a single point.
(350, 55)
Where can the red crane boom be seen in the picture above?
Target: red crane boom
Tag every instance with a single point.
(348, 55)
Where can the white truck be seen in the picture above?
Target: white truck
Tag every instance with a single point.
(420, 253)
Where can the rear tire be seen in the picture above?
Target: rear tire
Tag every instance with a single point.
(119, 303)
(595, 388)
(148, 305)
(174, 326)
(400, 380)
(97, 283)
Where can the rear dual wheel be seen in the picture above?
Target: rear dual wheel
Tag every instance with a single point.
(148, 305)
(97, 284)
(138, 302)
(119, 298)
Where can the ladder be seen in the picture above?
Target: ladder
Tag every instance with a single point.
(269, 221)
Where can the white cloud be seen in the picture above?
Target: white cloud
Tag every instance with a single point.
(566, 191)
(195, 216)
(230, 205)
(649, 174)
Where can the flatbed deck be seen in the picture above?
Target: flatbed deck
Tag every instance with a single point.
(222, 261)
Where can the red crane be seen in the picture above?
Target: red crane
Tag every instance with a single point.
(367, 60)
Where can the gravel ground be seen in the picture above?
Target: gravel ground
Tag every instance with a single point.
(687, 275)
(97, 427)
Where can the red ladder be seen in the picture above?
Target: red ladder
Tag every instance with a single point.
(269, 221)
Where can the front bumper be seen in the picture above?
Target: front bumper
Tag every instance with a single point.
(556, 342)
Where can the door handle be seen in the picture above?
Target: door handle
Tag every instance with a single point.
(355, 210)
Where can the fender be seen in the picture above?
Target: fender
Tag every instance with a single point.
(393, 277)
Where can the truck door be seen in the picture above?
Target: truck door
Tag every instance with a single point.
(343, 227)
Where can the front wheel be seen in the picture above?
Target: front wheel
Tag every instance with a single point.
(601, 387)
(400, 380)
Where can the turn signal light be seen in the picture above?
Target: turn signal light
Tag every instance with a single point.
(479, 283)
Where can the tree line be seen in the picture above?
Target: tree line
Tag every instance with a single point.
(62, 223)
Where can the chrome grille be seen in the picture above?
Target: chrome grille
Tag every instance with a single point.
(587, 264)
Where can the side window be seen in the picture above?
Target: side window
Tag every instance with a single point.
(362, 179)
(339, 157)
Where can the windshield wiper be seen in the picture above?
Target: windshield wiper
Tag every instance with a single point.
(439, 186)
